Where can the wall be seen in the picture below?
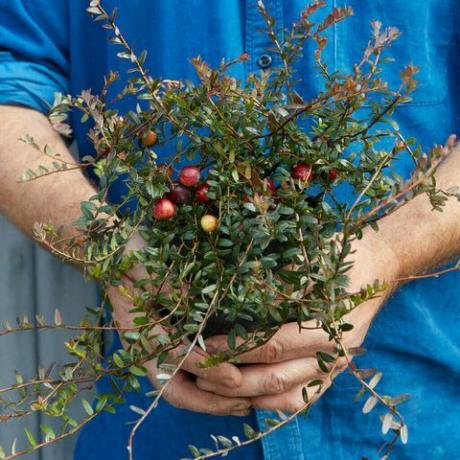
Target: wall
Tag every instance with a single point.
(32, 281)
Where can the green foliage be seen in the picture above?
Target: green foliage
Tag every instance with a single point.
(278, 255)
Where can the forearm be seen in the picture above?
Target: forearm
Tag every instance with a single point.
(420, 238)
(51, 199)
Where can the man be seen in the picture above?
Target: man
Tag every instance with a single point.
(53, 46)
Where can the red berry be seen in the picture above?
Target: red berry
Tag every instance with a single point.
(164, 209)
(179, 194)
(201, 193)
(302, 171)
(244, 56)
(149, 138)
(209, 223)
(189, 176)
(271, 186)
(333, 174)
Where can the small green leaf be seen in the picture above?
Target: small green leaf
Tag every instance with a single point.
(118, 360)
(195, 452)
(225, 441)
(248, 431)
(404, 433)
(138, 371)
(375, 380)
(30, 437)
(369, 404)
(87, 406)
(386, 423)
(209, 289)
(272, 422)
(315, 383)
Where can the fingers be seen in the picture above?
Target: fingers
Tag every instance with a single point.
(291, 401)
(225, 374)
(272, 379)
(182, 392)
(262, 379)
(288, 343)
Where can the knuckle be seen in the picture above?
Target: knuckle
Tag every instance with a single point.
(174, 399)
(272, 351)
(275, 383)
(215, 407)
(341, 364)
(294, 406)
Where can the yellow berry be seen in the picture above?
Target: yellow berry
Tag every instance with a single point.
(209, 223)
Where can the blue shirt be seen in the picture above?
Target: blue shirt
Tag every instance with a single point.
(46, 47)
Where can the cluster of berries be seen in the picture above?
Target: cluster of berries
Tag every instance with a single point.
(189, 178)
(189, 182)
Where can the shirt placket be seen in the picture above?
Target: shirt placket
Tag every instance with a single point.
(283, 443)
(258, 44)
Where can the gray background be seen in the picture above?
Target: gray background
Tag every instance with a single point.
(32, 281)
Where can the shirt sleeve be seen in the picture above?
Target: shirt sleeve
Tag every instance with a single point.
(34, 52)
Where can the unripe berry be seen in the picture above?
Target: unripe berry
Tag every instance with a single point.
(149, 138)
(164, 209)
(209, 223)
(189, 176)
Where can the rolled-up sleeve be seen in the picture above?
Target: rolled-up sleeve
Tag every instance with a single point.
(34, 57)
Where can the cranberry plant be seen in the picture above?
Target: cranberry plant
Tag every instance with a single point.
(244, 219)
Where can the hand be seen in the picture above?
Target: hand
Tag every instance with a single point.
(275, 373)
(181, 390)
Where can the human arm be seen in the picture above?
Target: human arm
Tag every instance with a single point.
(56, 199)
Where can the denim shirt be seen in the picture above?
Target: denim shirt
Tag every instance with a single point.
(47, 47)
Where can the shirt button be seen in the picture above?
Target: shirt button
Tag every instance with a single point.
(264, 61)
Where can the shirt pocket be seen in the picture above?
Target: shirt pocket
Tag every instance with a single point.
(426, 32)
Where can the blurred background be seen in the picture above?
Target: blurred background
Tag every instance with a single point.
(31, 282)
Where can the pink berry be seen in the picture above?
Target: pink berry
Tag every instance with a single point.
(189, 176)
(164, 209)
